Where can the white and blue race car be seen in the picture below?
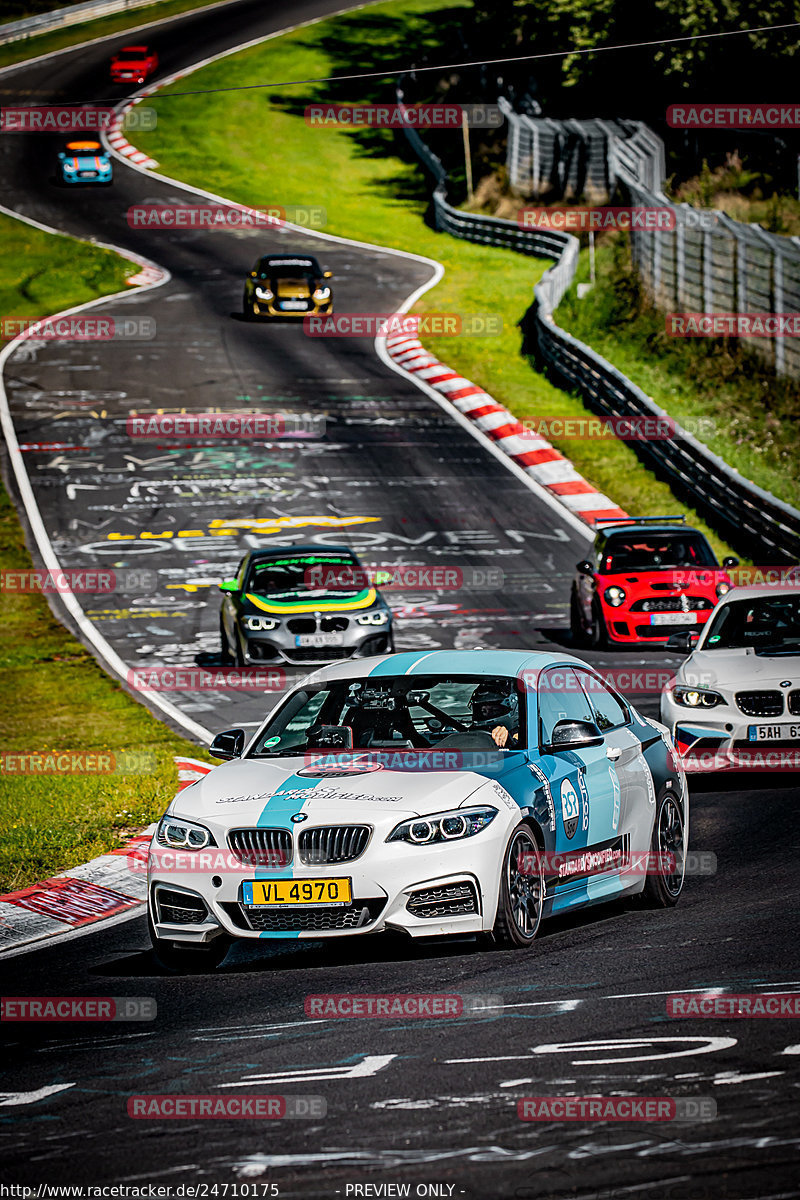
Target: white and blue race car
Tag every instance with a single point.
(453, 792)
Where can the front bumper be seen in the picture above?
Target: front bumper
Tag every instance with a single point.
(424, 892)
(724, 739)
(633, 628)
(271, 308)
(279, 645)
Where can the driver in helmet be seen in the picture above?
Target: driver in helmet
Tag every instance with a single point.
(495, 710)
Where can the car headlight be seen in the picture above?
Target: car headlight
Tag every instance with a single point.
(691, 697)
(70, 167)
(322, 293)
(183, 835)
(256, 624)
(723, 588)
(443, 827)
(265, 294)
(614, 596)
(378, 617)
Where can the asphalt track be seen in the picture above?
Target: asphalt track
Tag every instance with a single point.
(418, 1102)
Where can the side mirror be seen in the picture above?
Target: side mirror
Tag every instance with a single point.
(682, 641)
(327, 274)
(229, 585)
(730, 561)
(585, 567)
(229, 744)
(574, 735)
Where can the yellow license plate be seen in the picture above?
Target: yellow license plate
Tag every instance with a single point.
(280, 893)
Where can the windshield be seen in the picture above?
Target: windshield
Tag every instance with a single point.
(301, 573)
(656, 552)
(131, 55)
(306, 269)
(396, 712)
(765, 623)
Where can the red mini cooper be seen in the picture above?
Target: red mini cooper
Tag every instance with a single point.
(646, 578)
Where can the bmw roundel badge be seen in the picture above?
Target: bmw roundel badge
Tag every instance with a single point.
(299, 817)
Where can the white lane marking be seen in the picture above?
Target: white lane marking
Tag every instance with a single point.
(735, 1077)
(12, 1099)
(791, 1050)
(564, 1005)
(369, 1065)
(706, 991)
(707, 1045)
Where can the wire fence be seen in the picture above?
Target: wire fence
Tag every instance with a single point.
(751, 519)
(708, 263)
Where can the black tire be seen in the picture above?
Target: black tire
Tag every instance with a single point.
(663, 887)
(224, 647)
(519, 908)
(185, 959)
(598, 635)
(576, 621)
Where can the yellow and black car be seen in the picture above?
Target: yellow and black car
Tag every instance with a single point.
(287, 285)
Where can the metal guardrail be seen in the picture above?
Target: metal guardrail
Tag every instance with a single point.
(59, 18)
(751, 519)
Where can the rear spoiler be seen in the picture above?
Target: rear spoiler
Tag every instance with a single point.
(680, 518)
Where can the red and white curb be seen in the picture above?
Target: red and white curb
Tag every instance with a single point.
(531, 452)
(118, 142)
(105, 887)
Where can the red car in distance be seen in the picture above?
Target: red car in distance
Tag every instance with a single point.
(645, 579)
(133, 64)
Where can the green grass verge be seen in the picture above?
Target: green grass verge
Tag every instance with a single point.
(54, 695)
(256, 148)
(740, 410)
(59, 39)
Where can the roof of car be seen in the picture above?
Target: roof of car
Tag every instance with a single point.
(139, 49)
(504, 663)
(310, 548)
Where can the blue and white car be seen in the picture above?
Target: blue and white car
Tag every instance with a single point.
(453, 792)
(84, 162)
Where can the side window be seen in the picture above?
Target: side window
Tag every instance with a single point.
(561, 698)
(610, 712)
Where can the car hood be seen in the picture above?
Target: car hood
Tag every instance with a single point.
(662, 583)
(269, 791)
(739, 669)
(87, 162)
(308, 601)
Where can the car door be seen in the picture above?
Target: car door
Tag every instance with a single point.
(583, 783)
